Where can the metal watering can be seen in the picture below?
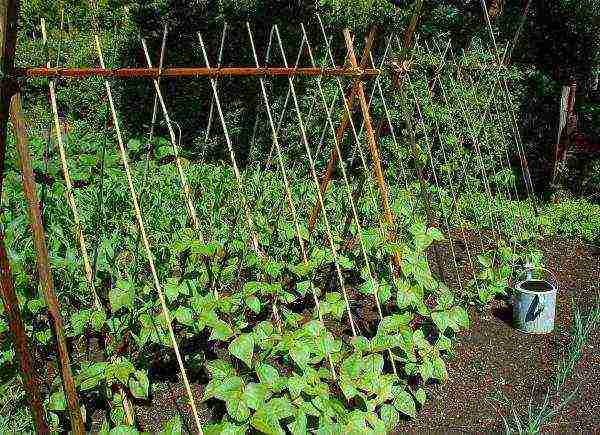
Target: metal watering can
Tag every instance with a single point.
(534, 303)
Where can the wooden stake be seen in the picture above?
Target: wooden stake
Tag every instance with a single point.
(43, 263)
(374, 150)
(341, 130)
(9, 14)
(9, 11)
(17, 328)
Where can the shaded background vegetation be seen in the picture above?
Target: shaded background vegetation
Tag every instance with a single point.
(557, 44)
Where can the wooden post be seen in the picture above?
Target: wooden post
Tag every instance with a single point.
(331, 165)
(8, 36)
(567, 125)
(17, 328)
(43, 263)
(374, 150)
(412, 29)
(9, 11)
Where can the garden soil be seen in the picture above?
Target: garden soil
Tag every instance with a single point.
(492, 358)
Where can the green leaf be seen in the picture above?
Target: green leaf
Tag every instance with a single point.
(348, 389)
(243, 348)
(222, 389)
(303, 287)
(267, 374)
(295, 385)
(134, 145)
(441, 319)
(299, 425)
(121, 370)
(57, 401)
(220, 331)
(422, 242)
(273, 268)
(280, 408)
(353, 365)
(404, 295)
(173, 288)
(426, 370)
(122, 295)
(368, 287)
(266, 423)
(139, 384)
(91, 376)
(439, 369)
(98, 319)
(345, 262)
(360, 343)
(254, 395)
(405, 404)
(225, 428)
(421, 396)
(173, 426)
(390, 416)
(253, 303)
(394, 323)
(123, 430)
(185, 316)
(79, 321)
(237, 408)
(374, 363)
(219, 369)
(460, 316)
(435, 234)
(300, 353)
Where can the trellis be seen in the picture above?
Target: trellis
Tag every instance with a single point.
(361, 72)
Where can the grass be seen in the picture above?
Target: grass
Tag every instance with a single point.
(557, 397)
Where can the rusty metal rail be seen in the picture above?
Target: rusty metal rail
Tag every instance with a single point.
(154, 73)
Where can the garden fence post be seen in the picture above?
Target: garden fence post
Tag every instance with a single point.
(374, 150)
(9, 11)
(29, 375)
(332, 163)
(43, 262)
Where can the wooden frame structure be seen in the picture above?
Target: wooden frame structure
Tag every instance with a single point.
(10, 106)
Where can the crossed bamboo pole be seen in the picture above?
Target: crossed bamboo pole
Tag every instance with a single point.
(78, 227)
(146, 243)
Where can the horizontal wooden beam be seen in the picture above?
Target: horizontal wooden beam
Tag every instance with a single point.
(154, 73)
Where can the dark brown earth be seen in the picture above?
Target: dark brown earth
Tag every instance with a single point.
(491, 357)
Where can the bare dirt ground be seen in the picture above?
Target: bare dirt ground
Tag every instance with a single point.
(492, 357)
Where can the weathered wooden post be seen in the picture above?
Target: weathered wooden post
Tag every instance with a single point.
(341, 130)
(8, 36)
(43, 262)
(374, 151)
(10, 104)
